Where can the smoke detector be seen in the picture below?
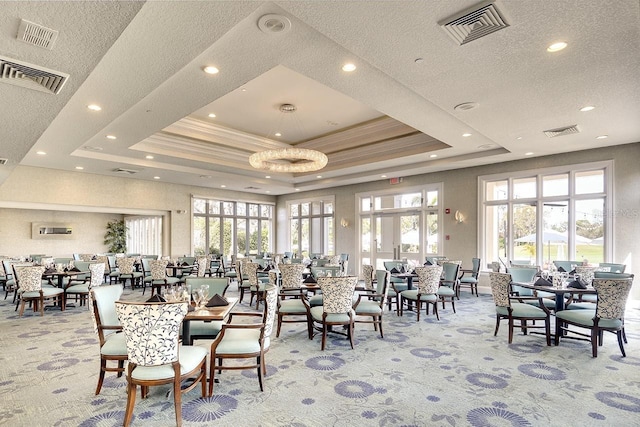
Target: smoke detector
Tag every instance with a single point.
(567, 130)
(274, 24)
(31, 76)
(474, 23)
(37, 35)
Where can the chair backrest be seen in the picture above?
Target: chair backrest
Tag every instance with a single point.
(85, 257)
(612, 297)
(270, 305)
(8, 270)
(104, 260)
(112, 263)
(390, 265)
(149, 257)
(158, 269)
(324, 271)
(429, 279)
(500, 288)
(251, 271)
(606, 275)
(587, 274)
(522, 274)
(566, 265)
(613, 268)
(337, 293)
(146, 267)
(82, 265)
(203, 263)
(433, 260)
(382, 284)
(103, 311)
(450, 272)
(151, 330)
(367, 274)
(291, 275)
(217, 285)
(96, 270)
(191, 260)
(475, 267)
(29, 278)
(125, 265)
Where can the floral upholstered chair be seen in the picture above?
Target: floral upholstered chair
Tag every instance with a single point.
(245, 340)
(337, 306)
(159, 278)
(367, 276)
(128, 272)
(371, 304)
(151, 331)
(113, 346)
(607, 316)
(29, 281)
(291, 299)
(429, 282)
(517, 307)
(81, 290)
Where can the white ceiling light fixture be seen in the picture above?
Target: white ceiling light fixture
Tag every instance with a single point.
(272, 23)
(94, 107)
(149, 157)
(112, 137)
(291, 159)
(211, 70)
(433, 156)
(556, 47)
(349, 67)
(213, 116)
(602, 137)
(466, 135)
(41, 153)
(587, 108)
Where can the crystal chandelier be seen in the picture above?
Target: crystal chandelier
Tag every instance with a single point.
(289, 160)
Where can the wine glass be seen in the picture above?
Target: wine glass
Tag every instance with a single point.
(205, 291)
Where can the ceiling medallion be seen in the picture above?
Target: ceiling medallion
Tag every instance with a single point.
(264, 160)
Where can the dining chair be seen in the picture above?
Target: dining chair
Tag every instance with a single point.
(448, 289)
(29, 283)
(428, 284)
(292, 304)
(202, 264)
(81, 290)
(245, 340)
(159, 278)
(612, 267)
(155, 357)
(514, 308)
(128, 272)
(336, 308)
(608, 315)
(371, 303)
(470, 277)
(206, 329)
(256, 284)
(367, 278)
(107, 326)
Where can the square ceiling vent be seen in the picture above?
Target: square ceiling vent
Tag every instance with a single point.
(31, 76)
(474, 23)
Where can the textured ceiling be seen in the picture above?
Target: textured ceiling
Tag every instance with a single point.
(142, 62)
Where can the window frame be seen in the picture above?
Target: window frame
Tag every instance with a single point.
(327, 237)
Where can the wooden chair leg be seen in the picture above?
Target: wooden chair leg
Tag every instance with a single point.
(103, 367)
(131, 400)
(177, 400)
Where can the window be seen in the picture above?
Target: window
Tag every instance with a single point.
(144, 235)
(311, 227)
(238, 228)
(553, 214)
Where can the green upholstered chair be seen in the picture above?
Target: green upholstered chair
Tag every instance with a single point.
(613, 268)
(448, 289)
(522, 275)
(155, 358)
(292, 304)
(608, 315)
(566, 265)
(30, 289)
(515, 308)
(245, 340)
(371, 303)
(336, 308)
(113, 346)
(469, 278)
(81, 290)
(428, 284)
(206, 329)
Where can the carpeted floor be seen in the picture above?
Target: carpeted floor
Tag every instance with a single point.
(451, 372)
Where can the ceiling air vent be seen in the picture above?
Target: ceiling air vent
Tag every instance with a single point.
(31, 76)
(125, 171)
(37, 35)
(251, 188)
(3, 161)
(474, 23)
(567, 130)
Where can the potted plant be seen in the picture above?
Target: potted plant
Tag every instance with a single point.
(116, 236)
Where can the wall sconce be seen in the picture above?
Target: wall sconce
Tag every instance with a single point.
(459, 217)
(344, 222)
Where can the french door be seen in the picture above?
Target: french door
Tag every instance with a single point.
(396, 236)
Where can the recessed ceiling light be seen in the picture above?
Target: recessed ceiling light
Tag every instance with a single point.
(528, 153)
(519, 138)
(319, 176)
(297, 189)
(211, 70)
(223, 186)
(466, 135)
(433, 156)
(602, 137)
(587, 108)
(212, 115)
(349, 67)
(383, 176)
(268, 191)
(555, 47)
(156, 177)
(244, 89)
(41, 153)
(278, 134)
(94, 107)
(112, 137)
(268, 176)
(149, 157)
(79, 168)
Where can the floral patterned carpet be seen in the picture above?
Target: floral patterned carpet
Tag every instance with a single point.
(451, 372)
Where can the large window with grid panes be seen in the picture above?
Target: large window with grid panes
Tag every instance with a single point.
(231, 227)
(311, 227)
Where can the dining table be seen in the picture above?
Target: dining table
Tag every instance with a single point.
(218, 313)
(408, 276)
(559, 292)
(61, 275)
(175, 268)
